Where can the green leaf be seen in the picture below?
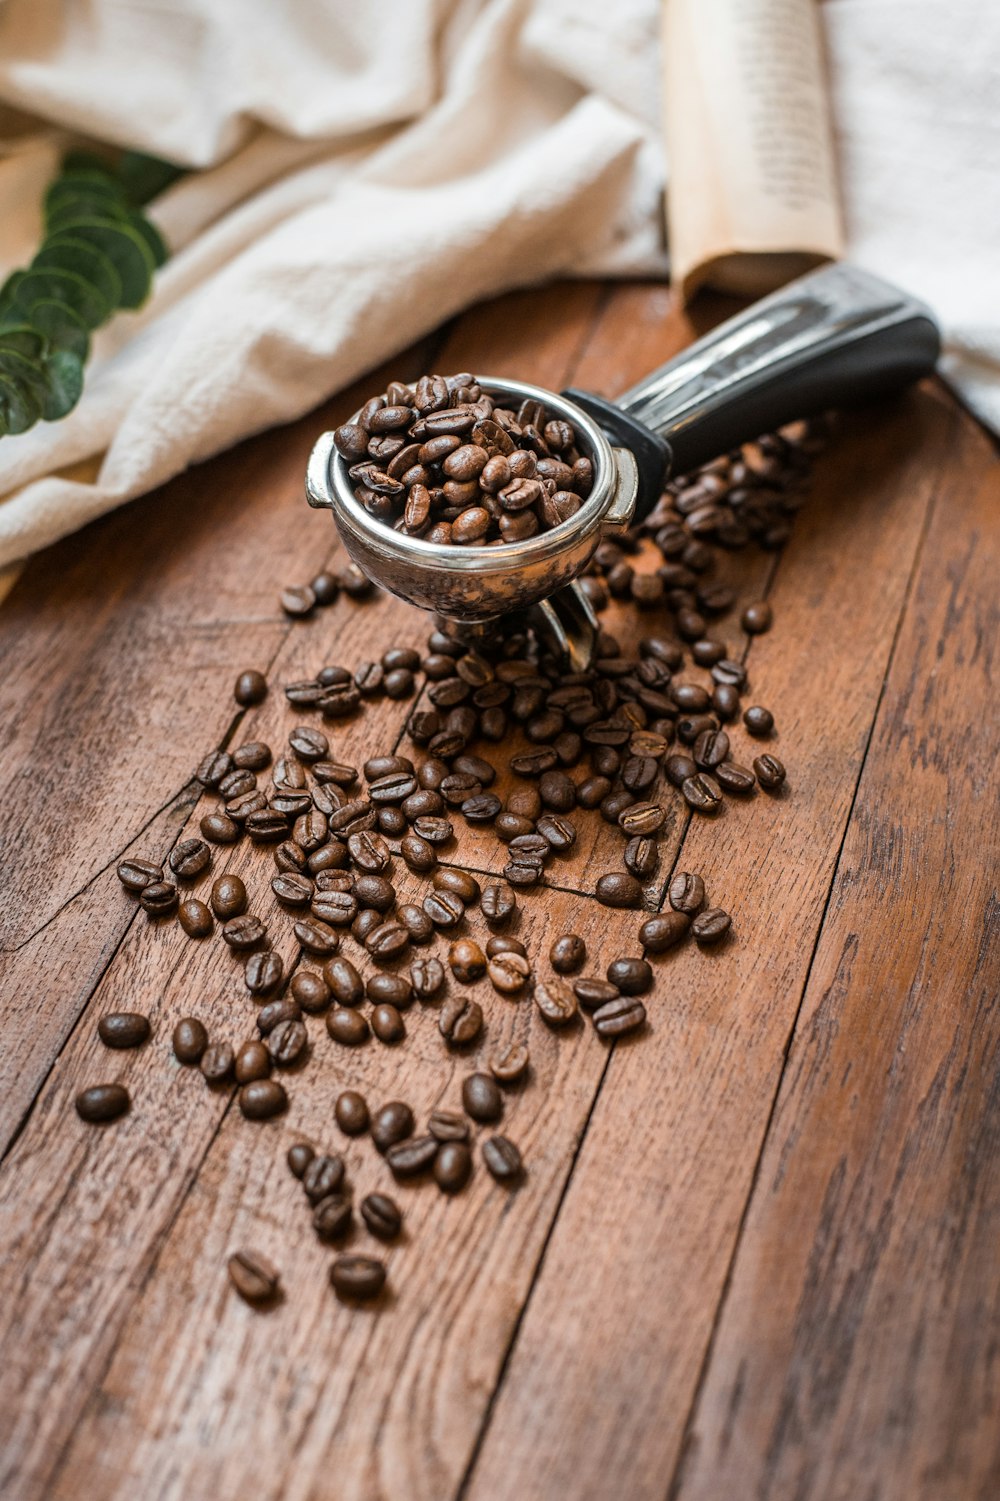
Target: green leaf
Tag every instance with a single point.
(126, 250)
(64, 378)
(86, 161)
(66, 253)
(8, 291)
(27, 373)
(63, 286)
(19, 407)
(154, 240)
(23, 337)
(84, 195)
(145, 177)
(61, 327)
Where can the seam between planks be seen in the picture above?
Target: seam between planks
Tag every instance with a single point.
(673, 1491)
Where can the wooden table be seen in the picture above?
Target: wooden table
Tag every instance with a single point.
(757, 1250)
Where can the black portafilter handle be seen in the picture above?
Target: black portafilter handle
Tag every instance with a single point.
(837, 337)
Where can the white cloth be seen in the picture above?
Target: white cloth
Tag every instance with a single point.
(366, 171)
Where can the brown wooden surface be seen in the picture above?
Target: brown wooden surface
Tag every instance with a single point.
(755, 1251)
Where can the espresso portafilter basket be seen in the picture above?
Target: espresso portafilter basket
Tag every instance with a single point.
(836, 337)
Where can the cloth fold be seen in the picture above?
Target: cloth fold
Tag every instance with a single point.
(363, 173)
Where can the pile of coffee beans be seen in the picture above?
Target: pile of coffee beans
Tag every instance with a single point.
(633, 741)
(442, 461)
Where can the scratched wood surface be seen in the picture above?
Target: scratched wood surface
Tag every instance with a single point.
(754, 1251)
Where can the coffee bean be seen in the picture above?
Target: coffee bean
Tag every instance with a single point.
(387, 1024)
(498, 944)
(285, 1009)
(642, 819)
(757, 618)
(619, 1017)
(332, 909)
(369, 852)
(419, 855)
(288, 1043)
(679, 768)
(262, 1098)
(375, 892)
(159, 898)
(387, 941)
(730, 672)
(217, 1063)
(102, 1102)
(556, 1002)
(642, 857)
(390, 1124)
(229, 897)
(408, 1158)
(136, 875)
(195, 918)
(769, 770)
(508, 972)
(619, 889)
(189, 1040)
(382, 1216)
(444, 909)
(509, 1064)
(357, 1277)
(591, 992)
(253, 1061)
(568, 954)
(427, 977)
(216, 765)
(702, 793)
(251, 688)
(347, 1027)
(481, 1098)
(686, 892)
(298, 600)
(299, 1157)
(498, 904)
(735, 778)
(123, 1029)
(630, 976)
(264, 972)
(445, 1125)
(323, 1176)
(244, 932)
(433, 830)
(460, 1020)
(458, 882)
(725, 701)
(710, 748)
(254, 1277)
(351, 1111)
(502, 1158)
(395, 989)
(316, 937)
(663, 931)
(268, 826)
(293, 889)
(452, 1166)
(711, 925)
(759, 721)
(333, 1217)
(466, 961)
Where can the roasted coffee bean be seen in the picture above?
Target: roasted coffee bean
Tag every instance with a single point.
(375, 892)
(254, 1277)
(123, 1029)
(309, 744)
(298, 600)
(299, 1157)
(244, 932)
(189, 1040)
(508, 972)
(326, 587)
(630, 976)
(711, 925)
(387, 1024)
(102, 1102)
(408, 1158)
(702, 793)
(253, 1061)
(348, 1027)
(419, 855)
(466, 961)
(229, 897)
(245, 804)
(381, 1215)
(445, 1125)
(460, 1020)
(614, 806)
(498, 904)
(427, 977)
(568, 954)
(730, 672)
(416, 922)
(390, 1124)
(642, 819)
(642, 857)
(686, 892)
(619, 1017)
(195, 918)
(725, 701)
(710, 748)
(288, 1043)
(237, 784)
(136, 875)
(502, 1158)
(444, 909)
(663, 931)
(216, 765)
(345, 982)
(264, 972)
(619, 889)
(310, 830)
(460, 882)
(333, 906)
(269, 826)
(592, 792)
(357, 1277)
(733, 778)
(525, 871)
(217, 1063)
(336, 773)
(769, 771)
(333, 1217)
(251, 688)
(262, 1098)
(387, 941)
(481, 1097)
(693, 725)
(293, 889)
(434, 830)
(452, 1166)
(758, 720)
(509, 1064)
(592, 992)
(556, 1002)
(351, 1111)
(316, 937)
(396, 989)
(159, 898)
(639, 773)
(558, 833)
(285, 1009)
(757, 618)
(323, 1176)
(679, 768)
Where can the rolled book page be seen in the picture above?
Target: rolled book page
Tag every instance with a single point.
(752, 197)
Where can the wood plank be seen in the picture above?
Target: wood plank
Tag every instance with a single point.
(67, 1219)
(856, 1351)
(608, 1352)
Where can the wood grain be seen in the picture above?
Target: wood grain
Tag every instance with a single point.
(590, 1406)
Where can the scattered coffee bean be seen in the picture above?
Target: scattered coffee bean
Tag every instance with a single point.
(759, 721)
(757, 618)
(630, 976)
(333, 1217)
(427, 977)
(217, 1063)
(592, 992)
(498, 904)
(254, 1277)
(299, 1157)
(702, 793)
(322, 1176)
(189, 1040)
(159, 898)
(229, 897)
(408, 1158)
(344, 980)
(123, 1029)
(445, 1125)
(711, 925)
(769, 770)
(391, 1124)
(102, 1102)
(244, 932)
(619, 1017)
(387, 1024)
(686, 892)
(568, 954)
(502, 1158)
(382, 1216)
(509, 1064)
(663, 931)
(444, 909)
(271, 1015)
(253, 1061)
(264, 972)
(509, 972)
(619, 889)
(348, 1027)
(316, 937)
(288, 1043)
(351, 1111)
(136, 875)
(195, 918)
(251, 688)
(357, 1277)
(262, 1098)
(452, 1166)
(460, 1020)
(481, 1098)
(459, 882)
(298, 600)
(733, 778)
(310, 990)
(556, 1002)
(466, 961)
